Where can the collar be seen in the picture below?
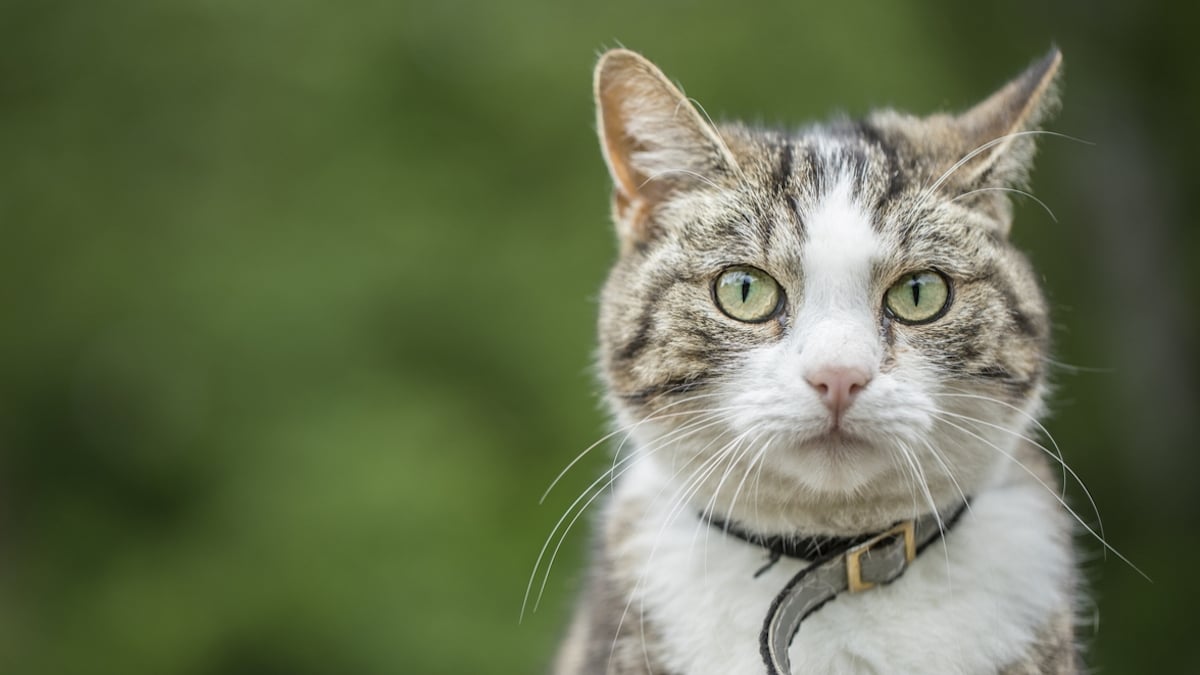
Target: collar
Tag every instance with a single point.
(839, 564)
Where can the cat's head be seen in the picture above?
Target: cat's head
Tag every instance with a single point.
(831, 322)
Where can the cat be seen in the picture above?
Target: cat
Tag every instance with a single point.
(827, 363)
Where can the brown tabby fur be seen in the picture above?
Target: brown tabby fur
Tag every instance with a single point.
(692, 198)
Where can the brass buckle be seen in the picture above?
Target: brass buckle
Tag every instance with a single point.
(854, 555)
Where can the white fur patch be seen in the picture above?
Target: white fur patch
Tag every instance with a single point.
(838, 253)
(835, 325)
(962, 607)
(836, 322)
(773, 464)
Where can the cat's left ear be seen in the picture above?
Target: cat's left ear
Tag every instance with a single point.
(655, 141)
(999, 132)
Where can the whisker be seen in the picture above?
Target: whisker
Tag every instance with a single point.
(946, 468)
(1059, 458)
(686, 172)
(696, 482)
(1072, 368)
(937, 516)
(654, 549)
(1058, 453)
(595, 493)
(922, 482)
(656, 417)
(1062, 502)
(721, 139)
(902, 467)
(758, 456)
(690, 486)
(611, 476)
(626, 429)
(1056, 457)
(1024, 193)
(735, 456)
(758, 478)
(927, 193)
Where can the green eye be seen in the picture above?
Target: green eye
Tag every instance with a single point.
(747, 294)
(919, 297)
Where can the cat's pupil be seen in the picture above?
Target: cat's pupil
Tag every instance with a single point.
(916, 291)
(745, 288)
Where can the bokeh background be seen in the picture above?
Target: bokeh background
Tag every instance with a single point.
(297, 304)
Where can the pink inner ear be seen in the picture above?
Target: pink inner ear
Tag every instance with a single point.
(653, 138)
(617, 144)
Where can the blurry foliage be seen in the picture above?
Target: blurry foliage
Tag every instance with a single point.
(298, 302)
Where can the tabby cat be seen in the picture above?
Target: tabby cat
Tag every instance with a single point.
(826, 362)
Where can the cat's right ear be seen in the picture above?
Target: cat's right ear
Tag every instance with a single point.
(654, 140)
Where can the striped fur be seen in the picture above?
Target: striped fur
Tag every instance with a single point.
(726, 413)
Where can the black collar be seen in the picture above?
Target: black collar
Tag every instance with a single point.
(839, 564)
(788, 545)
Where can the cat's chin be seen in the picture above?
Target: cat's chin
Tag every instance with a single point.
(838, 463)
(838, 466)
(836, 441)
(838, 483)
(837, 487)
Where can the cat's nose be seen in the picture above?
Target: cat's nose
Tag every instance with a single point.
(838, 386)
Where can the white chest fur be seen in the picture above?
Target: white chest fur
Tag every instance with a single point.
(966, 605)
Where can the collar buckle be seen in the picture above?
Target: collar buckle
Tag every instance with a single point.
(854, 562)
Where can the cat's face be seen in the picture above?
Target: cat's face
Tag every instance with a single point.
(833, 317)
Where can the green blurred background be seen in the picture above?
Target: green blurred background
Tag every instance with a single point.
(297, 305)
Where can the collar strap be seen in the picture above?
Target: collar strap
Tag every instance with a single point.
(862, 565)
(840, 564)
(791, 546)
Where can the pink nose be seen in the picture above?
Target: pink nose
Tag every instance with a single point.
(838, 386)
